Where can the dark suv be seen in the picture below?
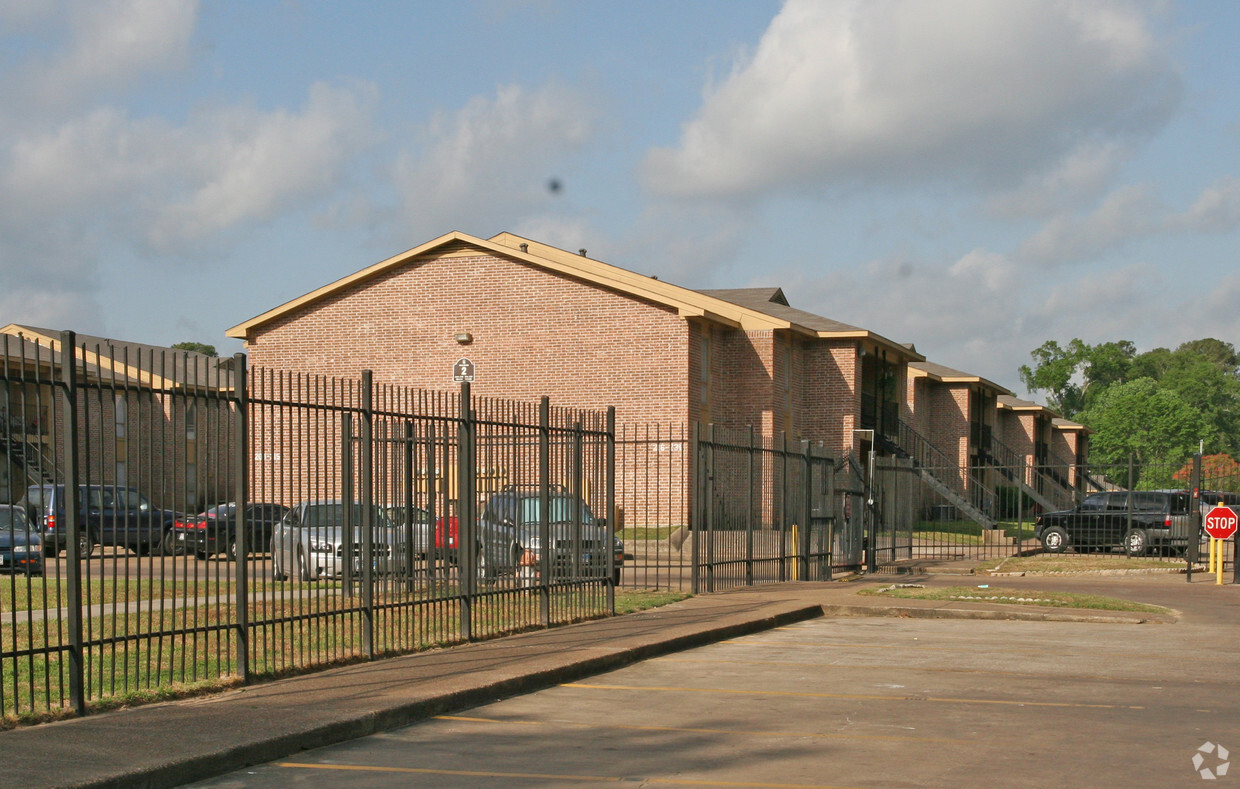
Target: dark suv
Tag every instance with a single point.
(1137, 521)
(110, 515)
(510, 541)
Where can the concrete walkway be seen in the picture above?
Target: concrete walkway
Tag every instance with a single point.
(167, 744)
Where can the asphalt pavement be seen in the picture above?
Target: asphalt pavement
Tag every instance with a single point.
(178, 742)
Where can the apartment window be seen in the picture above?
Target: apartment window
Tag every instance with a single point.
(121, 415)
(191, 420)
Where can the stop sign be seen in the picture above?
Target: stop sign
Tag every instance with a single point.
(1221, 522)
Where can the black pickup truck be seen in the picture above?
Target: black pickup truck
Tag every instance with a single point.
(1136, 522)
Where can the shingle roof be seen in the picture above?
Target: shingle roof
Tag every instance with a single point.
(135, 361)
(941, 372)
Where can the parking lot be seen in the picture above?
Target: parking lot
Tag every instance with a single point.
(864, 702)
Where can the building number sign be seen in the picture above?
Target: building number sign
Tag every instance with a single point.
(463, 371)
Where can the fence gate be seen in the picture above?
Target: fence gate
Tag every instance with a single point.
(765, 511)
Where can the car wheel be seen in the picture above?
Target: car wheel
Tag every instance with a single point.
(231, 552)
(1136, 542)
(615, 577)
(86, 544)
(49, 550)
(1055, 540)
(277, 569)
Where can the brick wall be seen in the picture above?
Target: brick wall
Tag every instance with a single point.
(535, 333)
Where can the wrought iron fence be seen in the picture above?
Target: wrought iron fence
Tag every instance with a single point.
(767, 511)
(347, 520)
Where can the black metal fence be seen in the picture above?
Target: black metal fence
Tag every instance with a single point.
(768, 510)
(348, 520)
(1133, 508)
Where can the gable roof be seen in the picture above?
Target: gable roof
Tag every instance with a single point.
(152, 365)
(947, 375)
(1010, 403)
(745, 309)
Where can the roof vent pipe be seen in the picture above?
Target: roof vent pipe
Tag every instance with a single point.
(525, 247)
(581, 252)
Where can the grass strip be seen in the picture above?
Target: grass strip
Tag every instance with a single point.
(993, 594)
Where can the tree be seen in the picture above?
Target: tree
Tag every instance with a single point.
(1072, 375)
(1153, 424)
(1218, 472)
(196, 347)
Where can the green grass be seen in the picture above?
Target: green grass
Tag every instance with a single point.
(996, 594)
(138, 668)
(1075, 563)
(635, 533)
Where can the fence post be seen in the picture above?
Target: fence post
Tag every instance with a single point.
(346, 502)
(749, 512)
(368, 502)
(410, 526)
(1194, 529)
(697, 514)
(611, 510)
(73, 523)
(783, 508)
(241, 526)
(807, 518)
(544, 509)
(467, 526)
(709, 500)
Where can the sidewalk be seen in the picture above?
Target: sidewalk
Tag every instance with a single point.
(172, 743)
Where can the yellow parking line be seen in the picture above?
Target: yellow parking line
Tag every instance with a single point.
(852, 696)
(687, 730)
(552, 776)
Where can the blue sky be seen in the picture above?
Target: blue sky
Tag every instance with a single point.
(971, 176)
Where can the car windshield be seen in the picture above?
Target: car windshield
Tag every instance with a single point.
(333, 515)
(13, 519)
(1094, 501)
(220, 511)
(563, 510)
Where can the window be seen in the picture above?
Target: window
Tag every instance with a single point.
(121, 415)
(191, 420)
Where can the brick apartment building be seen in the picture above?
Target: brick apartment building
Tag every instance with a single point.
(149, 417)
(536, 320)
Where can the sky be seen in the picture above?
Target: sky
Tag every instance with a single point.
(972, 176)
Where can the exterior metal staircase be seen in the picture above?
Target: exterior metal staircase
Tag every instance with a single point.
(29, 456)
(944, 475)
(1050, 490)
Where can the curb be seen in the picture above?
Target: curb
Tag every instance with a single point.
(207, 765)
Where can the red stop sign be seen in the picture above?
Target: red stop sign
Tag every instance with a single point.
(1221, 522)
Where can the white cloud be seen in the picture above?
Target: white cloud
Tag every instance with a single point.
(240, 166)
(1126, 214)
(107, 44)
(902, 90)
(1216, 209)
(493, 161)
(1082, 175)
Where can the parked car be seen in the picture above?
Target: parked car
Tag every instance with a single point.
(309, 542)
(1136, 522)
(215, 530)
(443, 535)
(509, 539)
(21, 550)
(109, 514)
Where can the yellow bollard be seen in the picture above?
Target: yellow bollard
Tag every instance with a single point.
(1218, 561)
(796, 564)
(1212, 541)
